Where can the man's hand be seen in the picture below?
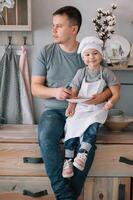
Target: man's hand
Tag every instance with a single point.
(62, 93)
(100, 98)
(95, 99)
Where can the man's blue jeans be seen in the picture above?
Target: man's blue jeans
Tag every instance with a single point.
(50, 131)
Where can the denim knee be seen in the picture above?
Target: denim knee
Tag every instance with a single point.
(51, 127)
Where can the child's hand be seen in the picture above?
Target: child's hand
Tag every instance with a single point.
(70, 110)
(108, 105)
(69, 113)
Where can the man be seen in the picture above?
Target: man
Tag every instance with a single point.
(55, 68)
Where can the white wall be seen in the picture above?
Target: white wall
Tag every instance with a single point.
(43, 9)
(42, 21)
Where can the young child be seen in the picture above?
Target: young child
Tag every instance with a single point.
(84, 119)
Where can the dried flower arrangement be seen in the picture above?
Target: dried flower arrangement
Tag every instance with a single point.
(104, 23)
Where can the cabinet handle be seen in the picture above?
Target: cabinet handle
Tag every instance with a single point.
(121, 192)
(32, 160)
(126, 161)
(35, 194)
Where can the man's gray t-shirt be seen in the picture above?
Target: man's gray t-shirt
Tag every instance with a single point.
(59, 68)
(94, 75)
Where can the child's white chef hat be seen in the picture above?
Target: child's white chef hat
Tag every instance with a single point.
(90, 42)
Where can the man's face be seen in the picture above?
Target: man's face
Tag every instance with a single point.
(62, 30)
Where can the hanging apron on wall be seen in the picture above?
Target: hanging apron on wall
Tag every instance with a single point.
(25, 89)
(85, 114)
(15, 94)
(10, 107)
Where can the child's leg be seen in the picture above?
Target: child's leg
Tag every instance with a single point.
(69, 146)
(89, 138)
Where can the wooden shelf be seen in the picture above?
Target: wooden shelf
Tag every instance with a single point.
(17, 18)
(121, 69)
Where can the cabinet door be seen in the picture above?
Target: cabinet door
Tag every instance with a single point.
(17, 196)
(26, 188)
(107, 161)
(23, 188)
(12, 160)
(107, 189)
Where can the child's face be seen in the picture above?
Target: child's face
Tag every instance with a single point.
(92, 58)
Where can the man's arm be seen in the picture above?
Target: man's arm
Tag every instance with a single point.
(101, 97)
(39, 89)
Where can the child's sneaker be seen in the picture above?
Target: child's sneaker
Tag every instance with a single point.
(80, 160)
(67, 169)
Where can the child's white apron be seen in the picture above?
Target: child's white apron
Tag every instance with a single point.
(85, 114)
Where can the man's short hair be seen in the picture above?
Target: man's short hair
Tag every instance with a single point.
(72, 13)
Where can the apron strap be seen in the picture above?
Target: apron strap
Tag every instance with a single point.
(101, 72)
